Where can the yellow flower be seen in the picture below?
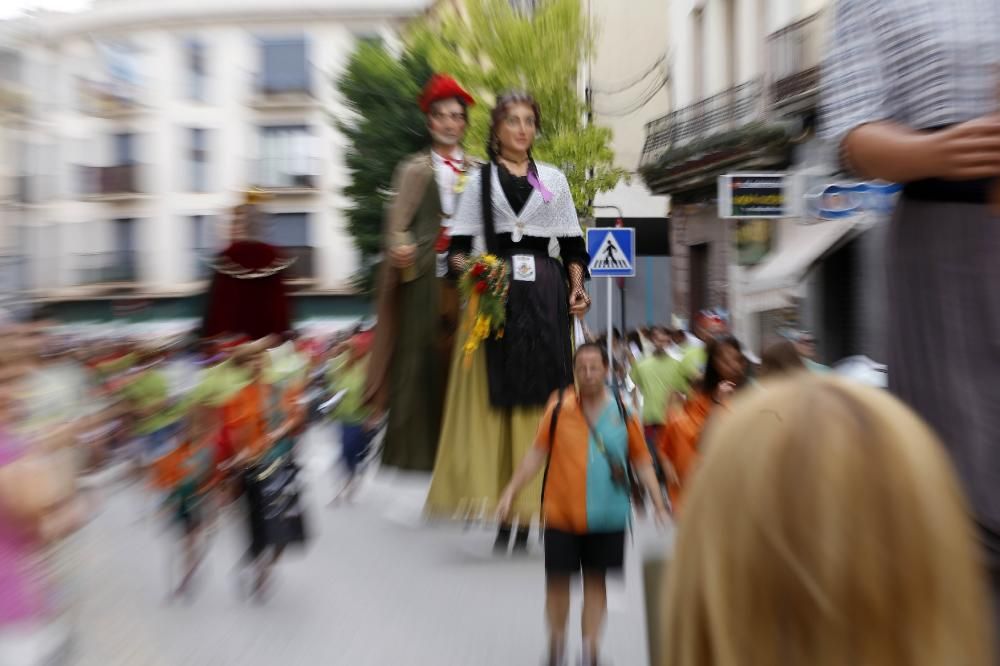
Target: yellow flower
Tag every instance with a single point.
(489, 260)
(482, 328)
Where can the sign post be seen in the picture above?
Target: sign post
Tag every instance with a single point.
(612, 255)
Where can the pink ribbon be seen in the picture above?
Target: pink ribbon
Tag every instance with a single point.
(537, 184)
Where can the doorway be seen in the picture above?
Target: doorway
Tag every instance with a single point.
(698, 275)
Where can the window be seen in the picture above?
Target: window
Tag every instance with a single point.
(10, 66)
(124, 149)
(198, 159)
(288, 157)
(698, 51)
(290, 231)
(284, 66)
(203, 244)
(123, 266)
(195, 71)
(121, 65)
(731, 44)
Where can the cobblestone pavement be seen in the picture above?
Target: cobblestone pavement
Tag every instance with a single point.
(376, 586)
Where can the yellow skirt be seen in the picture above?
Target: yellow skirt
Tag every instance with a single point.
(480, 447)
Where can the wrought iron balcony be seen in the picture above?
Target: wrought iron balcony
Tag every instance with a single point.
(293, 92)
(795, 56)
(726, 111)
(292, 175)
(118, 99)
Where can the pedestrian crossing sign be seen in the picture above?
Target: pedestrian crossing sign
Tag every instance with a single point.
(612, 251)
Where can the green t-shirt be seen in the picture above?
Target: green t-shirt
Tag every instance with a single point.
(218, 384)
(695, 358)
(657, 378)
(351, 409)
(147, 391)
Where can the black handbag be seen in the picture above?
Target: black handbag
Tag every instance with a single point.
(274, 497)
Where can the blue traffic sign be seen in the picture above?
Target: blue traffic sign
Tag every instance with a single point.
(612, 251)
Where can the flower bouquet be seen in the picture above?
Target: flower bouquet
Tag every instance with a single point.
(485, 286)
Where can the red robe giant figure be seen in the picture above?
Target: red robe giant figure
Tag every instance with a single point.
(247, 296)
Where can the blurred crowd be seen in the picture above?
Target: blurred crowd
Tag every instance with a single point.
(202, 425)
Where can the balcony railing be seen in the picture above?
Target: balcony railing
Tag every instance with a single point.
(295, 92)
(286, 174)
(121, 180)
(795, 54)
(728, 110)
(302, 269)
(106, 267)
(36, 188)
(110, 100)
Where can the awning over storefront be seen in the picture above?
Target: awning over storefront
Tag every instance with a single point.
(777, 282)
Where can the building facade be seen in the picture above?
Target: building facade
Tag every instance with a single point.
(627, 86)
(746, 83)
(144, 123)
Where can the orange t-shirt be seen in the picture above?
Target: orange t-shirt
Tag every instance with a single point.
(680, 439)
(580, 496)
(243, 419)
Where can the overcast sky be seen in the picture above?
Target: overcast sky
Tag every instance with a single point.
(11, 8)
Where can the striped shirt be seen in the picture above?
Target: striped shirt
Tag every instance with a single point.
(919, 63)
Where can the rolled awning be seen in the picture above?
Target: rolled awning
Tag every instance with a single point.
(776, 282)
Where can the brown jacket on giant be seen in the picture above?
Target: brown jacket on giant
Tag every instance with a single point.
(417, 318)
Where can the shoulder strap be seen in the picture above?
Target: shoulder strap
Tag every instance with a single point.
(621, 404)
(552, 437)
(486, 192)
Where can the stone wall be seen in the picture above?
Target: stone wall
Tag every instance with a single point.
(697, 224)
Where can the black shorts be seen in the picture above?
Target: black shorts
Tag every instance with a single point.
(568, 553)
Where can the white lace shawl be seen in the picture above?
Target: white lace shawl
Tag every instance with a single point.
(556, 219)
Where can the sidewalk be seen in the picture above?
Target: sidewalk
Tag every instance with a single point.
(375, 587)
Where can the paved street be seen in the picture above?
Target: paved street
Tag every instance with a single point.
(376, 586)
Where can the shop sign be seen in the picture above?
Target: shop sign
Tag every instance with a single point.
(841, 200)
(753, 196)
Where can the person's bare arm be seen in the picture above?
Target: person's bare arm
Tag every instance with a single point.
(526, 471)
(895, 153)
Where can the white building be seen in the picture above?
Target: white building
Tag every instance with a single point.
(628, 83)
(629, 87)
(745, 84)
(148, 119)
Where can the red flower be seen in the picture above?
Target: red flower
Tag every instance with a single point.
(478, 270)
(481, 287)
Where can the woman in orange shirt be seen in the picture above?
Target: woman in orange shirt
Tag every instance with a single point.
(725, 371)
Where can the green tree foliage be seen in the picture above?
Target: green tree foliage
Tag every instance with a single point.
(492, 47)
(385, 127)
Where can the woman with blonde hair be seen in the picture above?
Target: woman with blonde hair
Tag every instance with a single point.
(825, 527)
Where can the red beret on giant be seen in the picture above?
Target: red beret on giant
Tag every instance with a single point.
(442, 86)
